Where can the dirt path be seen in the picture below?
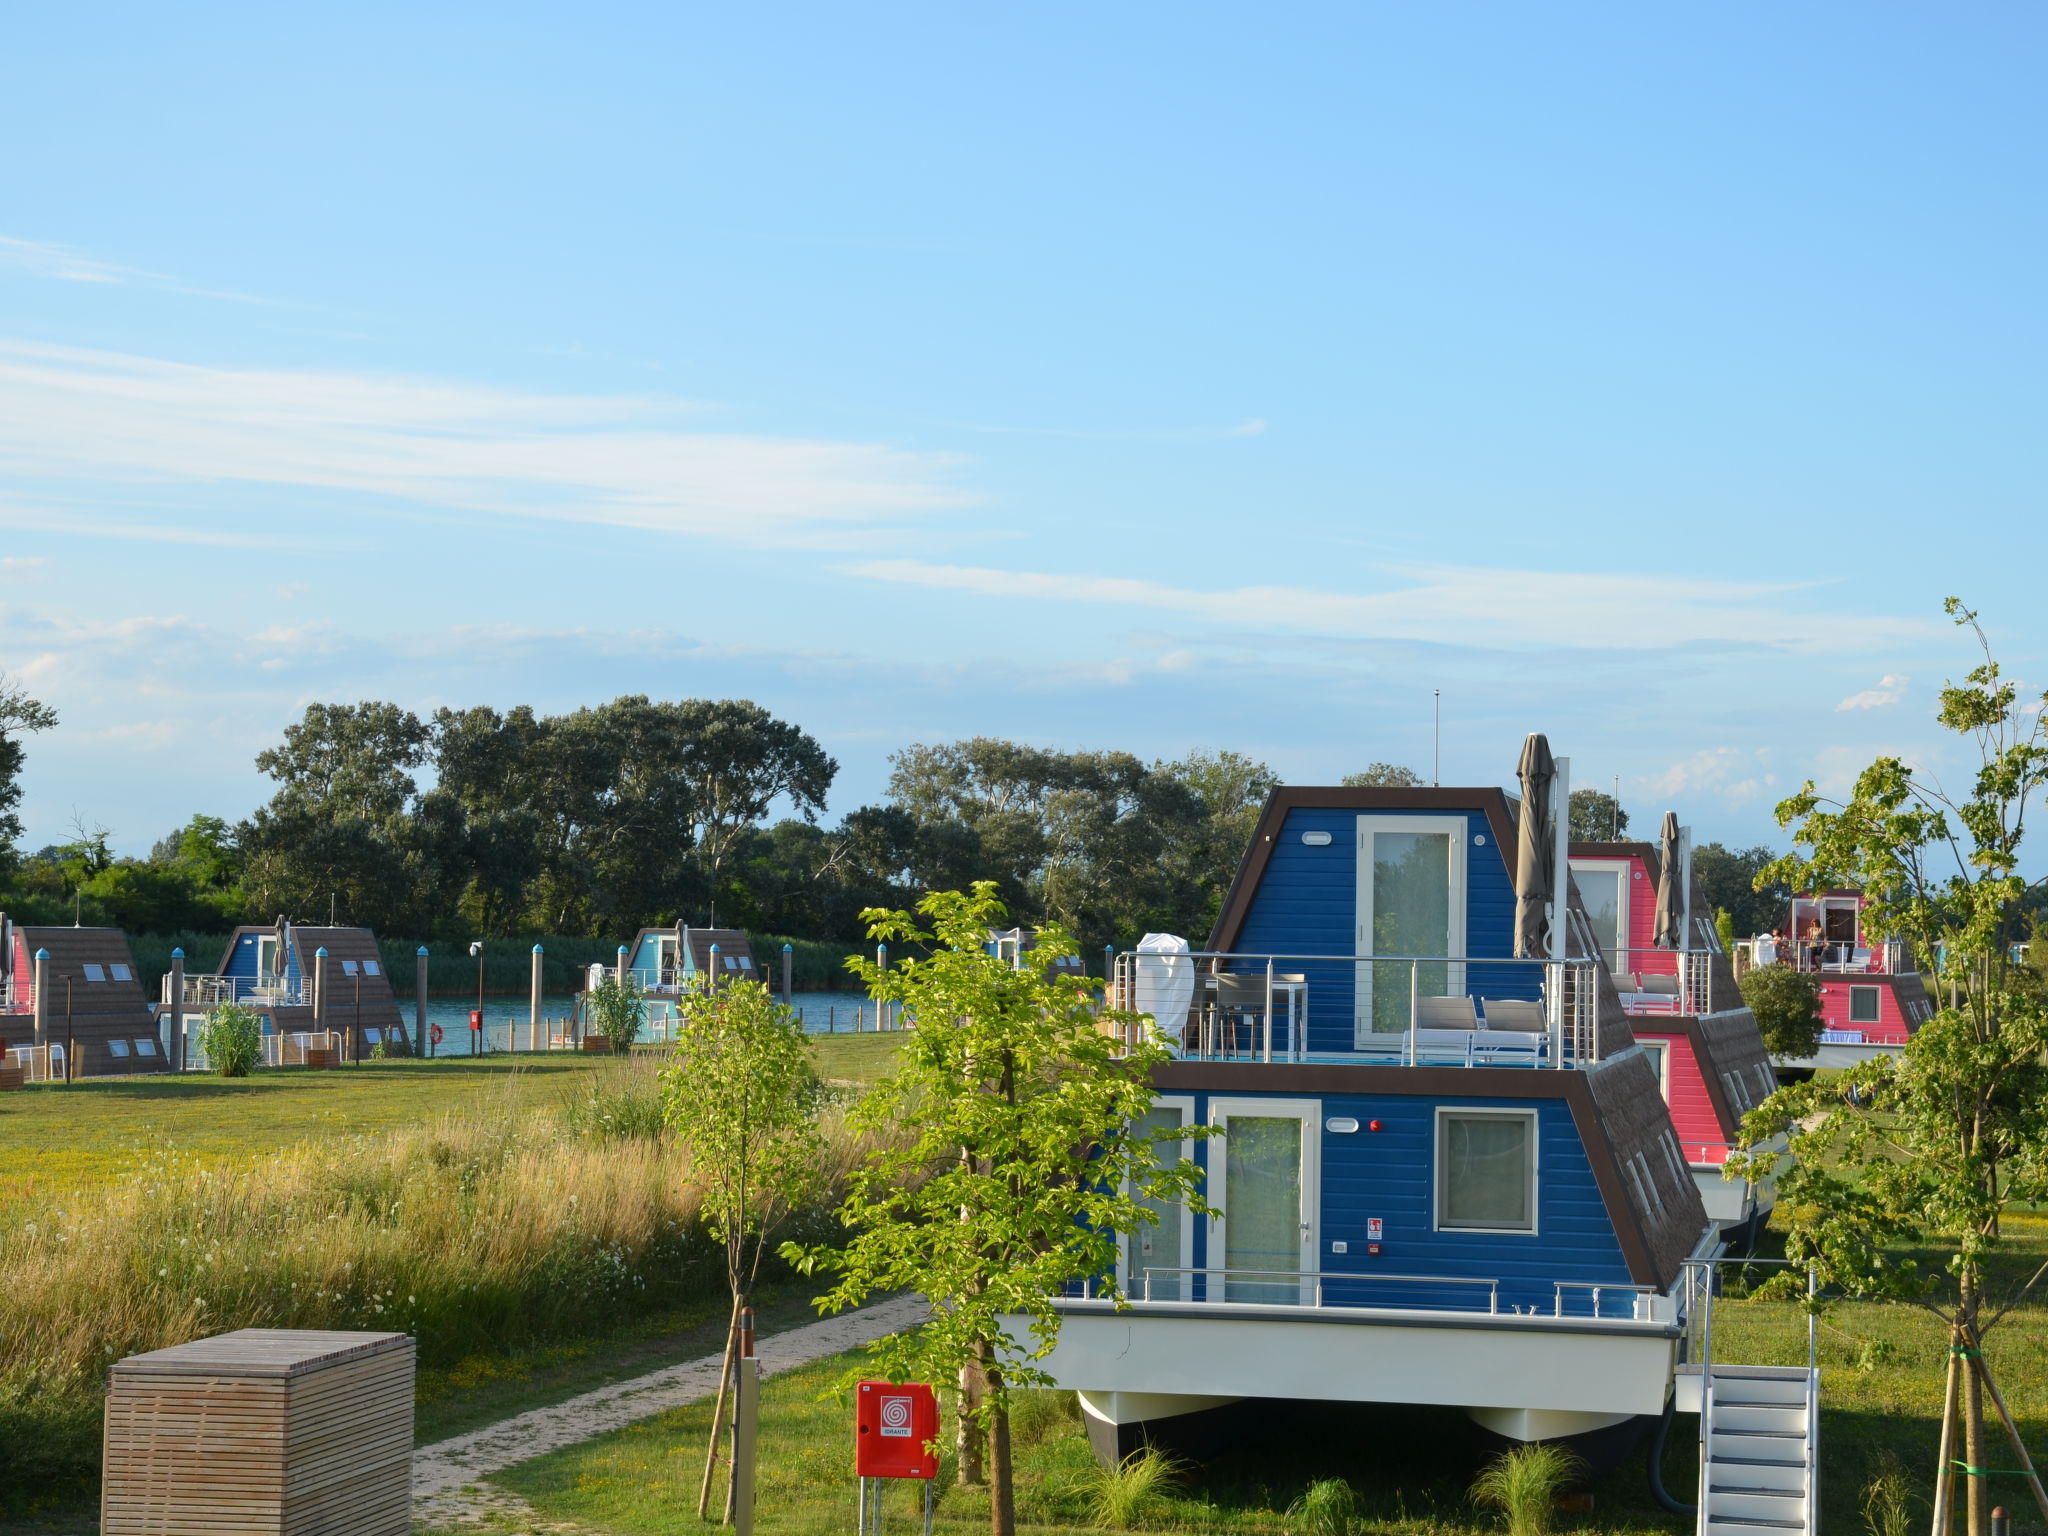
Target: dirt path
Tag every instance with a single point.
(447, 1477)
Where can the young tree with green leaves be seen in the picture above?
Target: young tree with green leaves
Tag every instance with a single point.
(741, 1098)
(1017, 1159)
(1931, 1146)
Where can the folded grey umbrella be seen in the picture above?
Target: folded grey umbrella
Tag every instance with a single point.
(1535, 850)
(1670, 902)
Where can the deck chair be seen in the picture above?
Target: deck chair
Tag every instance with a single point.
(1666, 986)
(1515, 1013)
(1446, 1013)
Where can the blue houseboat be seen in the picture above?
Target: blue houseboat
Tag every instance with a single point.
(666, 962)
(276, 971)
(1445, 1173)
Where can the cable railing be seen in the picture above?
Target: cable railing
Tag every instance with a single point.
(1674, 981)
(1367, 1290)
(1402, 1010)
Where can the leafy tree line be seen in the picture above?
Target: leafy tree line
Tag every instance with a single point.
(589, 824)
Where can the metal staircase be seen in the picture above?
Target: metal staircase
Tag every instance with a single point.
(1759, 1428)
(1760, 1444)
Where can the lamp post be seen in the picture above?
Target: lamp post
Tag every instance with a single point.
(787, 950)
(419, 1003)
(476, 1035)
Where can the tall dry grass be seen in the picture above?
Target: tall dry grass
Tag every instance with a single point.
(475, 1235)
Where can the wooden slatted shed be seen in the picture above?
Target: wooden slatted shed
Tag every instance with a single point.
(282, 1432)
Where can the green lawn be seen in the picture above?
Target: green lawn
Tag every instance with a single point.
(1881, 1389)
(55, 1140)
(59, 1139)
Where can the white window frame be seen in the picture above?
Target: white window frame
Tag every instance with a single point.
(1624, 873)
(1216, 1147)
(1440, 1169)
(1185, 1261)
(1459, 830)
(1659, 1052)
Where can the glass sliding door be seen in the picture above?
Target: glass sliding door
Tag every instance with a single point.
(1604, 889)
(1411, 901)
(1165, 1250)
(1264, 1241)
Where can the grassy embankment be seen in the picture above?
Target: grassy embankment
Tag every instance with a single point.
(532, 1253)
(1411, 1467)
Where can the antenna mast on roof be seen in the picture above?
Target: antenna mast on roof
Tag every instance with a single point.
(1436, 772)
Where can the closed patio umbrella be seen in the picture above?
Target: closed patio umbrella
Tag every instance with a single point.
(1535, 850)
(1670, 900)
(280, 961)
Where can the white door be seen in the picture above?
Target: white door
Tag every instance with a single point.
(1156, 1259)
(1604, 888)
(1263, 1175)
(1411, 901)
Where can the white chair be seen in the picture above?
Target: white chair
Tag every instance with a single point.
(1446, 1013)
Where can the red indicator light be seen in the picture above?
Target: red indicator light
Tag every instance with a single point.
(1373, 1249)
(1372, 1125)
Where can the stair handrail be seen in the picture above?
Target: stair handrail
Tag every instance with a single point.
(1704, 1270)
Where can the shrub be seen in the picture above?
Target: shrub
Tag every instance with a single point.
(1524, 1484)
(232, 1038)
(1122, 1495)
(1327, 1507)
(1786, 1003)
(617, 1010)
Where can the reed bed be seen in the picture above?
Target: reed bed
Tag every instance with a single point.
(509, 1225)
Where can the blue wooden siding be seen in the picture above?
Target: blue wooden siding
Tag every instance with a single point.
(1307, 904)
(1391, 1174)
(242, 959)
(644, 954)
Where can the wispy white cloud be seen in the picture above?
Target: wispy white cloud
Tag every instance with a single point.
(1889, 690)
(44, 519)
(623, 461)
(1463, 605)
(1734, 774)
(67, 265)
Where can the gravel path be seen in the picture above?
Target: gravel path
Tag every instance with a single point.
(447, 1477)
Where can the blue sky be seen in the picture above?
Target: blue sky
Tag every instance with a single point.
(1148, 377)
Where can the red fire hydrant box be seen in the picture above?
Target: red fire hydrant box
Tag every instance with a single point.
(896, 1428)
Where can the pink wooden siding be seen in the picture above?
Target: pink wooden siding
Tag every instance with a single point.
(1890, 1028)
(1700, 1133)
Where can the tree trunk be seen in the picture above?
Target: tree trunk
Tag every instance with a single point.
(1967, 1307)
(1002, 1493)
(732, 1342)
(967, 1438)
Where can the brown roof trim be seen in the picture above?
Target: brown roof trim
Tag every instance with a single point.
(1287, 797)
(1647, 852)
(1441, 1082)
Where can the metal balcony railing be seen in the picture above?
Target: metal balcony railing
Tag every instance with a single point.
(1369, 1290)
(251, 991)
(1408, 1010)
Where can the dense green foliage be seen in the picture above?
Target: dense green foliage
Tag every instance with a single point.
(232, 1038)
(1786, 1003)
(1733, 880)
(1597, 817)
(617, 1010)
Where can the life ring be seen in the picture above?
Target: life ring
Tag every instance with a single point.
(437, 1034)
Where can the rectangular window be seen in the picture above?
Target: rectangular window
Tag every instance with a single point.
(374, 1036)
(118, 1049)
(1765, 1080)
(1659, 1052)
(1863, 1005)
(122, 973)
(370, 968)
(1669, 1142)
(1656, 1196)
(1486, 1170)
(348, 967)
(1603, 886)
(95, 973)
(145, 1047)
(1732, 1086)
